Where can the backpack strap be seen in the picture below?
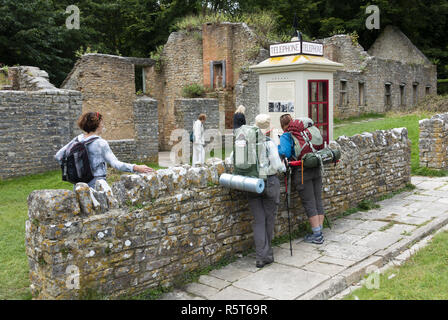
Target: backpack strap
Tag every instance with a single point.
(90, 141)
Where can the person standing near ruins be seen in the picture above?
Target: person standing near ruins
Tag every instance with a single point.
(264, 206)
(239, 119)
(310, 191)
(99, 151)
(199, 141)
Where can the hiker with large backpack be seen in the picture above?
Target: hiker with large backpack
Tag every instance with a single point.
(255, 155)
(84, 158)
(300, 138)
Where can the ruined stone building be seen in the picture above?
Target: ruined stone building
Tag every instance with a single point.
(213, 57)
(392, 75)
(108, 85)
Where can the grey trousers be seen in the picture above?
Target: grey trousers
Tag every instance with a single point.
(310, 191)
(264, 209)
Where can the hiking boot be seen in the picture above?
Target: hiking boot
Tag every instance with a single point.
(314, 238)
(261, 264)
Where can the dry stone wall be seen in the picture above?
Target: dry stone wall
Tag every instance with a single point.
(433, 142)
(147, 230)
(33, 126)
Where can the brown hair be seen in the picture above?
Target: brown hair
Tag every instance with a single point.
(202, 116)
(285, 119)
(89, 121)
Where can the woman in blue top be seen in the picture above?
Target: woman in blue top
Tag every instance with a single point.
(99, 150)
(310, 191)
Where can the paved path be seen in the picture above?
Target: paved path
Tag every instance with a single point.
(354, 243)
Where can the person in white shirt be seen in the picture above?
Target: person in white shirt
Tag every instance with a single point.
(199, 141)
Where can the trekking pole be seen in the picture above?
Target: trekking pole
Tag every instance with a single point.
(287, 186)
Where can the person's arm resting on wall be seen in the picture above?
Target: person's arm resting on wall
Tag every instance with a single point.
(113, 161)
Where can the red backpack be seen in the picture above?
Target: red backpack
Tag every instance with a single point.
(307, 137)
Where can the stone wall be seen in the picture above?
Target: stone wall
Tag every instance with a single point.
(186, 60)
(182, 66)
(392, 44)
(26, 78)
(374, 69)
(187, 111)
(107, 84)
(433, 142)
(145, 147)
(33, 126)
(247, 90)
(156, 227)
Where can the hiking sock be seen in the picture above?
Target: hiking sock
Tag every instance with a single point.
(317, 231)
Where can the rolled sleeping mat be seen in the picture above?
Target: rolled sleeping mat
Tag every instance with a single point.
(241, 183)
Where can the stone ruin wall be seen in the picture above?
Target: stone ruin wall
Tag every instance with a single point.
(33, 126)
(107, 85)
(182, 65)
(156, 227)
(375, 71)
(433, 142)
(186, 60)
(26, 78)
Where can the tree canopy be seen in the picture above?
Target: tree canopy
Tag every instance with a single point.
(33, 32)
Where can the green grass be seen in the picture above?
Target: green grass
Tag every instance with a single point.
(371, 115)
(14, 280)
(394, 120)
(423, 277)
(14, 276)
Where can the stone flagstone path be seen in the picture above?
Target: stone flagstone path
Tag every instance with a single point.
(352, 245)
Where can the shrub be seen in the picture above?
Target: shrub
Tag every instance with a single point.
(263, 23)
(194, 90)
(80, 52)
(157, 56)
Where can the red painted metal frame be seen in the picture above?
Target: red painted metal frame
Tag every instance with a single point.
(316, 103)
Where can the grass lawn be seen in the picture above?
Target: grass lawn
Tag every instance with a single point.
(14, 280)
(423, 277)
(392, 120)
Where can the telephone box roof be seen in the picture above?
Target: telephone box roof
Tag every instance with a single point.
(296, 63)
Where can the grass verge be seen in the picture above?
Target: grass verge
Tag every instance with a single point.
(423, 277)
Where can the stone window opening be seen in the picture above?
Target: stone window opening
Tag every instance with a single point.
(428, 90)
(388, 94)
(402, 94)
(140, 79)
(361, 93)
(343, 93)
(415, 93)
(218, 74)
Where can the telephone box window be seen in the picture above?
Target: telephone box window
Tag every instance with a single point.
(318, 105)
